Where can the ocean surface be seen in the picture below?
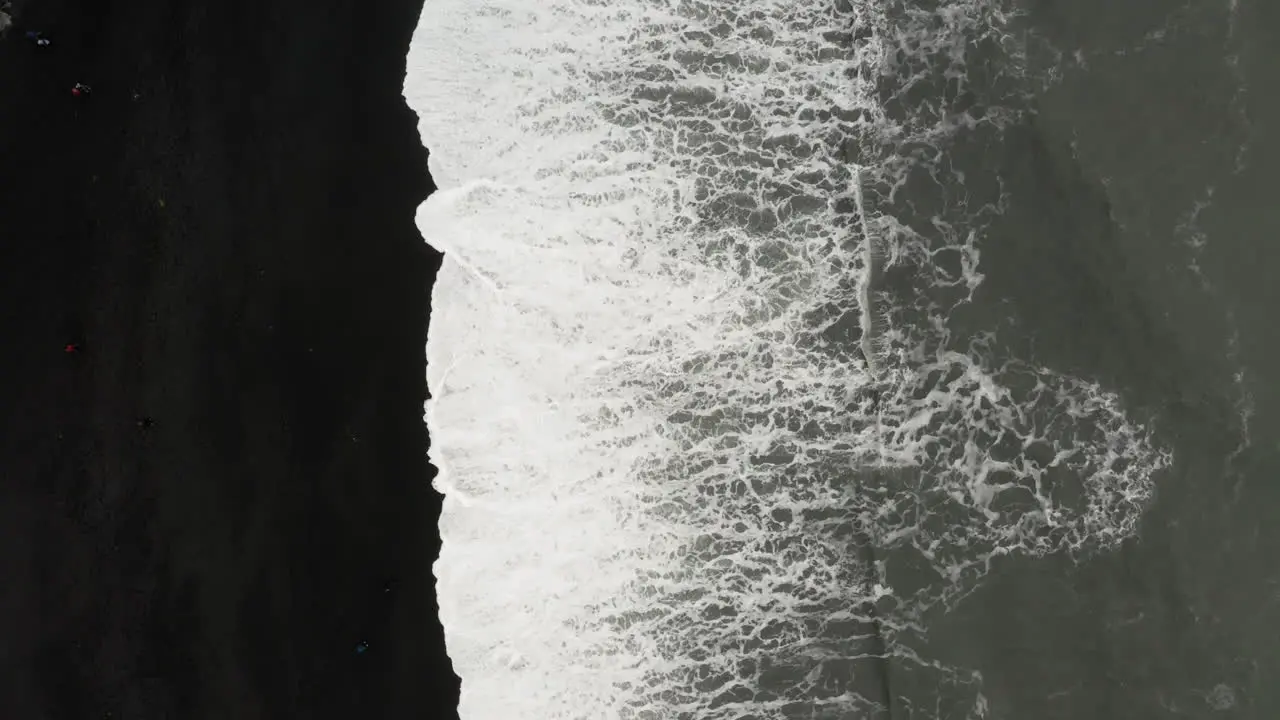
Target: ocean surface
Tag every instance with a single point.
(847, 359)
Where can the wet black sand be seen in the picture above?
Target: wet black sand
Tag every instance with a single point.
(225, 229)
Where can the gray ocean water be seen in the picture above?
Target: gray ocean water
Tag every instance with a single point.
(1145, 176)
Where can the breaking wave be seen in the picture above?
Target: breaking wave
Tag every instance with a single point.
(709, 443)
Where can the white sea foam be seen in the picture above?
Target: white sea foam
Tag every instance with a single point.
(680, 480)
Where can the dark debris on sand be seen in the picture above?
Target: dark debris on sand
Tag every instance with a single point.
(213, 285)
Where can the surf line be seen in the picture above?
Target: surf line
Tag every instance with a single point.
(873, 352)
(873, 323)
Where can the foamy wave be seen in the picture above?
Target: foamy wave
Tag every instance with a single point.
(681, 478)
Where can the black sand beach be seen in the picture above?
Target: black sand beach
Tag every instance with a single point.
(216, 504)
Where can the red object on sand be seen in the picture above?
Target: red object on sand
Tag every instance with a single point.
(72, 347)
